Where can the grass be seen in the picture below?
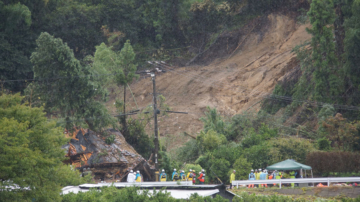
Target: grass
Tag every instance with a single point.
(306, 193)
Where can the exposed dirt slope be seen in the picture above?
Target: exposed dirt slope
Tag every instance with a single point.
(233, 84)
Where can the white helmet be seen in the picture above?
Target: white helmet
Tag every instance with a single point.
(259, 169)
(174, 169)
(234, 171)
(163, 170)
(252, 170)
(202, 170)
(190, 170)
(137, 171)
(131, 171)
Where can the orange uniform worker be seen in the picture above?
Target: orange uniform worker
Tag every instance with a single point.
(201, 178)
(251, 177)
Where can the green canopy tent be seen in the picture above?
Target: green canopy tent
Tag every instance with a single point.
(290, 165)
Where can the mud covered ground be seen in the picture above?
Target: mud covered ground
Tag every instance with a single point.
(241, 68)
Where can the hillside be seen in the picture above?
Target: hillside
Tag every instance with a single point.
(231, 84)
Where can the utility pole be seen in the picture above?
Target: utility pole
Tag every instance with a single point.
(156, 140)
(157, 64)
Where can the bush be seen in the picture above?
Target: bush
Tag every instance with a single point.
(242, 167)
(210, 140)
(220, 167)
(324, 144)
(325, 162)
(290, 148)
(189, 152)
(110, 139)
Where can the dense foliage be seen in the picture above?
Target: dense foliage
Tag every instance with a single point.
(325, 163)
(251, 146)
(156, 28)
(68, 86)
(30, 154)
(133, 194)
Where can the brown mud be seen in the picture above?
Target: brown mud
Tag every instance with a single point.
(237, 72)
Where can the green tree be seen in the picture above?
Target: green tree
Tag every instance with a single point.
(342, 133)
(242, 167)
(220, 167)
(214, 121)
(15, 39)
(326, 76)
(77, 24)
(259, 155)
(210, 140)
(290, 148)
(352, 52)
(138, 138)
(121, 65)
(68, 86)
(30, 153)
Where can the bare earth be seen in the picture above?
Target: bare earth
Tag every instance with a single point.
(231, 84)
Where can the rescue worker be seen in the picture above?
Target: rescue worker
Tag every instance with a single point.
(266, 173)
(278, 175)
(138, 177)
(251, 177)
(257, 176)
(163, 176)
(131, 177)
(292, 176)
(232, 178)
(273, 176)
(190, 175)
(175, 176)
(202, 177)
(182, 175)
(263, 177)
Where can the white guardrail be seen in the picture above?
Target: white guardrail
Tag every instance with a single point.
(327, 180)
(138, 184)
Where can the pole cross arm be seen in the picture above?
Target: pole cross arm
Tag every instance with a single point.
(177, 112)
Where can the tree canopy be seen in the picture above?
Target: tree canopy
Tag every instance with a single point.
(30, 153)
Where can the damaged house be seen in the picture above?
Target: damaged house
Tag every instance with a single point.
(107, 161)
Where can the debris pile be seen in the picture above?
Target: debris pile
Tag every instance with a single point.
(110, 162)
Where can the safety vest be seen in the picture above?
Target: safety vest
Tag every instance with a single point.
(163, 177)
(190, 176)
(252, 175)
(176, 176)
(183, 176)
(138, 178)
(232, 177)
(257, 176)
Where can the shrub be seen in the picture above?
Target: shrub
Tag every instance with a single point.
(325, 162)
(242, 167)
(110, 139)
(324, 144)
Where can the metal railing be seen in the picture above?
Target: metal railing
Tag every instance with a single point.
(327, 180)
(142, 184)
